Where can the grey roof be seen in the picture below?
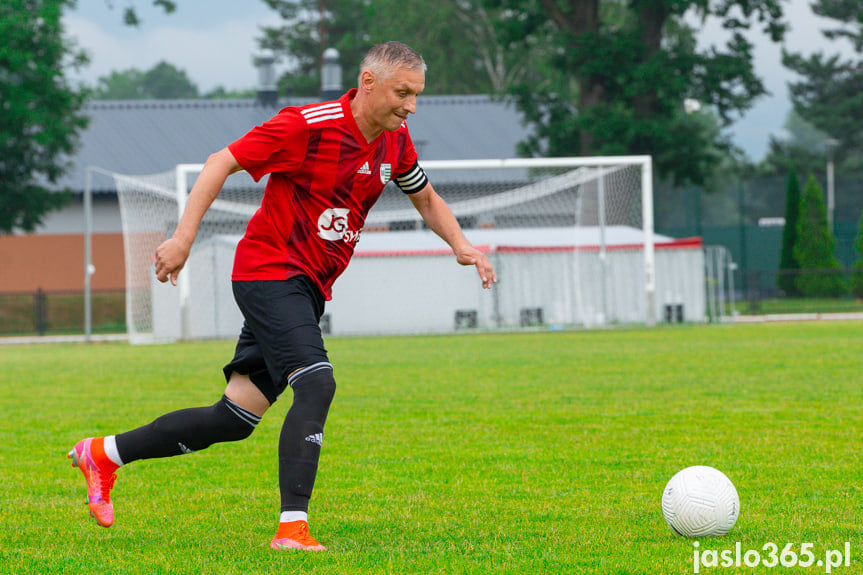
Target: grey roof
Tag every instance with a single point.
(151, 136)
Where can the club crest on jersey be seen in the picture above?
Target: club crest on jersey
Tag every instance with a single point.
(333, 223)
(386, 172)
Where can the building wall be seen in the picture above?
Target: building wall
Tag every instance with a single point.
(56, 262)
(70, 219)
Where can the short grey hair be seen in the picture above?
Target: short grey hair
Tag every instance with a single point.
(383, 59)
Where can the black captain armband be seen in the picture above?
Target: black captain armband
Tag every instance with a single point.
(413, 180)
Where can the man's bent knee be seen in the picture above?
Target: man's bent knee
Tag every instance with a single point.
(246, 394)
(315, 381)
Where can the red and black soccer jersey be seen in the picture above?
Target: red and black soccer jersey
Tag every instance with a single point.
(324, 178)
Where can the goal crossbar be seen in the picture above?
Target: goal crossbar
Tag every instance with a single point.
(503, 194)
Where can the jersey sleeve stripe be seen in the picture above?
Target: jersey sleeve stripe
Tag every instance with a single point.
(322, 108)
(322, 118)
(316, 114)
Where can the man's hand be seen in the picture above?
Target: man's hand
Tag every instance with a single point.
(170, 258)
(441, 220)
(471, 256)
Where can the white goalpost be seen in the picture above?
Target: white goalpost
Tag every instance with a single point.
(572, 240)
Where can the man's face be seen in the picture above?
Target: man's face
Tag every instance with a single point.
(396, 97)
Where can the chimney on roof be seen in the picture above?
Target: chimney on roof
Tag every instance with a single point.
(268, 93)
(331, 75)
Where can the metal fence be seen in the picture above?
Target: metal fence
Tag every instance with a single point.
(60, 312)
(747, 218)
(767, 292)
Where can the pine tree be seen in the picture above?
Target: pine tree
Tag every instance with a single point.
(827, 94)
(822, 275)
(788, 264)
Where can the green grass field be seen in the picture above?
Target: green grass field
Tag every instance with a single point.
(499, 453)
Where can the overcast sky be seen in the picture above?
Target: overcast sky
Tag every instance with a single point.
(214, 40)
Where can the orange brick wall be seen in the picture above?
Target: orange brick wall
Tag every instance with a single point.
(56, 262)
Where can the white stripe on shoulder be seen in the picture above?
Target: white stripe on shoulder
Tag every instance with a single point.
(322, 118)
(322, 108)
(325, 112)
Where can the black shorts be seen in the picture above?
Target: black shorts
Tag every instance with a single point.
(280, 333)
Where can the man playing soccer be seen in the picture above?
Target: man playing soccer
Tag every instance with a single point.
(328, 164)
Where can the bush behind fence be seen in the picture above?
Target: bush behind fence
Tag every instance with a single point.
(815, 291)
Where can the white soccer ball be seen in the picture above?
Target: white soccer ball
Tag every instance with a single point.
(700, 501)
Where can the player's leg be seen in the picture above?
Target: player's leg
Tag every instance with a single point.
(284, 317)
(232, 418)
(189, 430)
(300, 444)
(175, 433)
(246, 394)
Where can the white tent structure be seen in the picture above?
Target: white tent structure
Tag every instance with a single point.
(402, 282)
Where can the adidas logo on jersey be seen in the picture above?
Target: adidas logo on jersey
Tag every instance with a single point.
(364, 169)
(316, 438)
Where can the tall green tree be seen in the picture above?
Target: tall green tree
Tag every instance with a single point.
(461, 44)
(857, 275)
(828, 94)
(163, 81)
(121, 85)
(466, 48)
(40, 112)
(308, 28)
(590, 77)
(617, 75)
(814, 248)
(788, 264)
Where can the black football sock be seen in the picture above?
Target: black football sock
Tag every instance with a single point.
(303, 434)
(187, 430)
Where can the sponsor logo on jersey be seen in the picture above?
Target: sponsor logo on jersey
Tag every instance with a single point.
(386, 172)
(333, 225)
(364, 169)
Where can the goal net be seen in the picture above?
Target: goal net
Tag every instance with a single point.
(571, 239)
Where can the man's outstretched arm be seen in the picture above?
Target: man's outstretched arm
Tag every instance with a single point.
(172, 254)
(441, 220)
